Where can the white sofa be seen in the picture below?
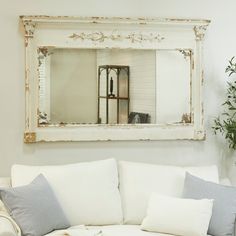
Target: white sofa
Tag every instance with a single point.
(109, 198)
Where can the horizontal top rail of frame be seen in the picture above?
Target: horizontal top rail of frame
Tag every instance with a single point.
(112, 20)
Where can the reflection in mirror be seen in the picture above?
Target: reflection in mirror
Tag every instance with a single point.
(173, 86)
(114, 86)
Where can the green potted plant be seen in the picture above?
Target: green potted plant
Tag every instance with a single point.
(226, 122)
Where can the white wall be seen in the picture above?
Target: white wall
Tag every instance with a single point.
(219, 46)
(174, 78)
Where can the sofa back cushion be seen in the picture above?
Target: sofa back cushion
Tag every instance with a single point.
(88, 192)
(138, 181)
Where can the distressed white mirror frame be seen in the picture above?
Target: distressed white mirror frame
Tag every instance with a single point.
(123, 33)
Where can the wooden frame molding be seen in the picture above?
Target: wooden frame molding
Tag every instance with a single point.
(184, 35)
(30, 137)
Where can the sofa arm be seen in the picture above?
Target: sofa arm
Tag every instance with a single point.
(7, 228)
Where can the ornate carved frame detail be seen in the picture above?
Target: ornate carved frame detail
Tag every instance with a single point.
(184, 35)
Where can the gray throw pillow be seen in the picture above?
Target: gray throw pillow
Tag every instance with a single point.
(34, 207)
(224, 208)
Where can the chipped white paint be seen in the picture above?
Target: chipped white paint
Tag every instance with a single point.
(185, 35)
(200, 31)
(115, 36)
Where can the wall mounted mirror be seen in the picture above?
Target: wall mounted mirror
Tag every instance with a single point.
(113, 79)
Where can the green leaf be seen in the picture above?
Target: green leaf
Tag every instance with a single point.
(226, 122)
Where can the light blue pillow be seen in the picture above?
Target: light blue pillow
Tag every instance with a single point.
(34, 207)
(224, 207)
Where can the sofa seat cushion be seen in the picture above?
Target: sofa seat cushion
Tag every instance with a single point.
(125, 230)
(109, 230)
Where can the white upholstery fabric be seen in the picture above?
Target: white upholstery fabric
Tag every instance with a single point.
(113, 230)
(139, 180)
(178, 216)
(7, 225)
(125, 230)
(225, 181)
(6, 228)
(88, 192)
(79, 230)
(5, 182)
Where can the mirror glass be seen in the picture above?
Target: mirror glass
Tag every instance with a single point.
(114, 86)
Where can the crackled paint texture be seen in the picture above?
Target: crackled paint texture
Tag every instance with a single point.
(43, 30)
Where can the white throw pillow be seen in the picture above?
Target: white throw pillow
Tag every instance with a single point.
(88, 192)
(178, 216)
(139, 180)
